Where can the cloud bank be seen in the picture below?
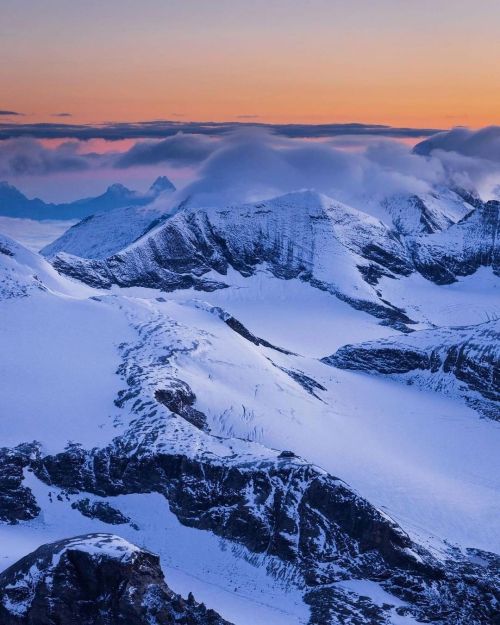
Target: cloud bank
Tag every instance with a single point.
(161, 129)
(254, 165)
(238, 163)
(483, 143)
(26, 156)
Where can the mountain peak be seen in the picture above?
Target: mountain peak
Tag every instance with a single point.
(161, 184)
(118, 189)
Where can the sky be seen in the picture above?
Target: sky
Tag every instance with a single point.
(281, 94)
(431, 63)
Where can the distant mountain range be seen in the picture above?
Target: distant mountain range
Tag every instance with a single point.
(13, 203)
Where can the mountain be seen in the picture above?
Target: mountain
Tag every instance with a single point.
(427, 213)
(96, 579)
(14, 204)
(462, 360)
(305, 234)
(461, 250)
(176, 395)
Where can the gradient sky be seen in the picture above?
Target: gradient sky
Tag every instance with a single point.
(404, 62)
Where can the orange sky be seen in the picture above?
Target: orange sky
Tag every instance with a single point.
(404, 62)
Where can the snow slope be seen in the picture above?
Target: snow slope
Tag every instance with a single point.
(104, 234)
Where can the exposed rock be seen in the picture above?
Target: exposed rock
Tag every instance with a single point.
(100, 510)
(96, 579)
(459, 251)
(286, 508)
(179, 398)
(466, 357)
(17, 502)
(238, 327)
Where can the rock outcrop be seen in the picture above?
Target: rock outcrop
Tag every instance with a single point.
(96, 579)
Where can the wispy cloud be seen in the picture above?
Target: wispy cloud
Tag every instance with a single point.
(8, 113)
(61, 115)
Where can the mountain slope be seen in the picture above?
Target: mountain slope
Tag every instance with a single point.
(306, 236)
(428, 212)
(461, 360)
(459, 251)
(104, 234)
(23, 272)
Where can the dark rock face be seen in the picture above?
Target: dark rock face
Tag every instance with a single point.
(470, 354)
(16, 501)
(180, 399)
(209, 494)
(291, 510)
(96, 579)
(307, 383)
(380, 359)
(242, 330)
(100, 510)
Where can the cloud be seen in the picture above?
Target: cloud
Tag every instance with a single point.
(253, 165)
(252, 162)
(161, 129)
(62, 115)
(483, 143)
(470, 157)
(11, 113)
(21, 157)
(179, 151)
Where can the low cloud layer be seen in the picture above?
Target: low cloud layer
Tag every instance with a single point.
(251, 162)
(31, 233)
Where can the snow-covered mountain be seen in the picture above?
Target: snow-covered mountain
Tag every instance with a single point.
(13, 203)
(428, 212)
(176, 394)
(459, 251)
(458, 361)
(305, 235)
